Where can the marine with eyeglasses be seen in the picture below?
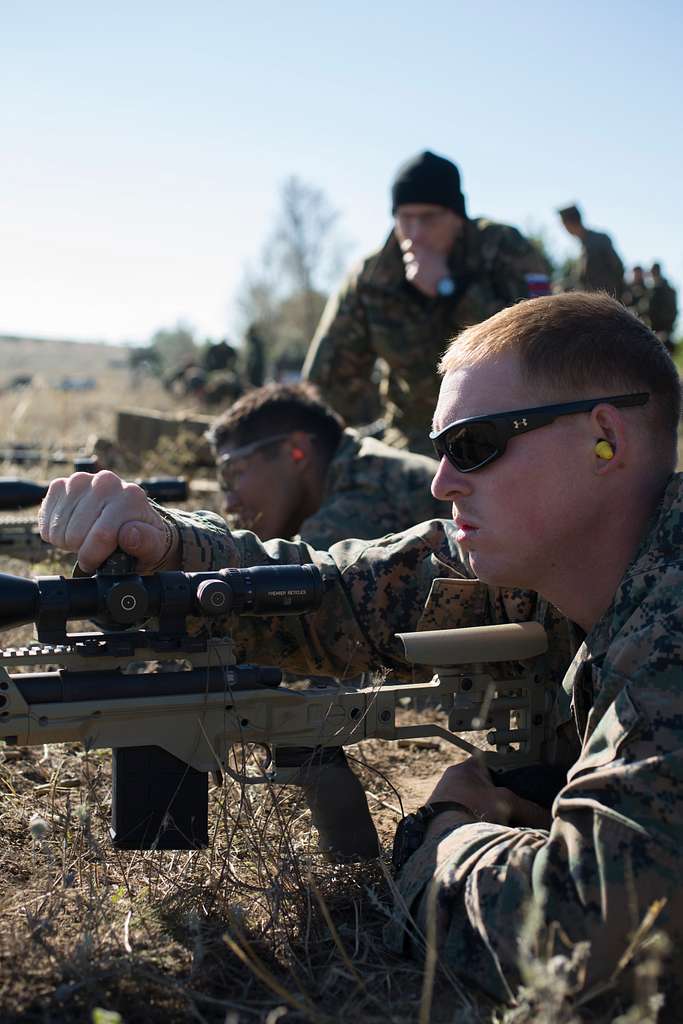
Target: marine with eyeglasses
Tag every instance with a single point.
(573, 519)
(288, 467)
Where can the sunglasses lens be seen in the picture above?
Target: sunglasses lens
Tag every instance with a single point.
(470, 446)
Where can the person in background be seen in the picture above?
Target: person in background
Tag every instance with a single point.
(636, 295)
(437, 272)
(600, 267)
(663, 307)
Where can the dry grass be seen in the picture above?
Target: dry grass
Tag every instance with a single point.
(256, 928)
(255, 922)
(46, 416)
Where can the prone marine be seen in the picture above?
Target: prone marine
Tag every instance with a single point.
(556, 430)
(287, 466)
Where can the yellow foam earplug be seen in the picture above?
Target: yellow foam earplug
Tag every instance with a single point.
(604, 450)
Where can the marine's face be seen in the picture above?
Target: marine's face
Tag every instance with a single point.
(424, 224)
(260, 491)
(520, 518)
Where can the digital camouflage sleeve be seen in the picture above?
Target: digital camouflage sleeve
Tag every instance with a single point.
(377, 588)
(613, 853)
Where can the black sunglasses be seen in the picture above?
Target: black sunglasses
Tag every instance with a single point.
(472, 443)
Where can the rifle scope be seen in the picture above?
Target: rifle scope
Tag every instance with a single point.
(123, 601)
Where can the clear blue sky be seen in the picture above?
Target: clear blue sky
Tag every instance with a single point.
(143, 143)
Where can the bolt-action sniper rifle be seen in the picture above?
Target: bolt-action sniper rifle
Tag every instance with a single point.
(169, 729)
(20, 537)
(32, 455)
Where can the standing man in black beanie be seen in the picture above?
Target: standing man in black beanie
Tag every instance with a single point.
(437, 273)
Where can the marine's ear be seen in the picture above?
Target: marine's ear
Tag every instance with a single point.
(300, 447)
(610, 438)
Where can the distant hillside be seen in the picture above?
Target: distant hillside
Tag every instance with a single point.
(49, 358)
(52, 409)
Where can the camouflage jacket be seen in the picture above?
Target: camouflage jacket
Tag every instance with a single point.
(614, 846)
(637, 298)
(372, 489)
(377, 314)
(600, 267)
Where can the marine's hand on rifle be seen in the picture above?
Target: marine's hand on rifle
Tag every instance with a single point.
(94, 514)
(469, 783)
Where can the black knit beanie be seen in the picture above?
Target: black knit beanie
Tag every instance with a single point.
(428, 178)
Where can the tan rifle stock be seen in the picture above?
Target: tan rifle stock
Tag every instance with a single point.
(178, 725)
(199, 728)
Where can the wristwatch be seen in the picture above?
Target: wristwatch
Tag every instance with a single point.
(445, 287)
(411, 830)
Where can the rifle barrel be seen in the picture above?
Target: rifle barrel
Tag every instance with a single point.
(16, 493)
(66, 687)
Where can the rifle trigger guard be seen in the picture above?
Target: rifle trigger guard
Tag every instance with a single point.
(266, 775)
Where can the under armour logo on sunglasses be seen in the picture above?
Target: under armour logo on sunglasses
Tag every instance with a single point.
(473, 443)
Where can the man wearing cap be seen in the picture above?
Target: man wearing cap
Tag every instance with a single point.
(600, 267)
(437, 272)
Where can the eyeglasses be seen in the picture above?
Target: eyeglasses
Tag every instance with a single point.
(470, 444)
(247, 449)
(226, 462)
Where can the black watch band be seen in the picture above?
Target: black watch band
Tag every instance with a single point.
(411, 830)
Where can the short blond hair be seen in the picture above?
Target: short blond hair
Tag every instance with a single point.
(575, 345)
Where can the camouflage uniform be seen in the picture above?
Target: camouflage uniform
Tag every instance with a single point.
(372, 489)
(600, 268)
(378, 314)
(663, 307)
(637, 298)
(617, 831)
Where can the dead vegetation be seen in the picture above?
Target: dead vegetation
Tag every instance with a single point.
(258, 927)
(256, 923)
